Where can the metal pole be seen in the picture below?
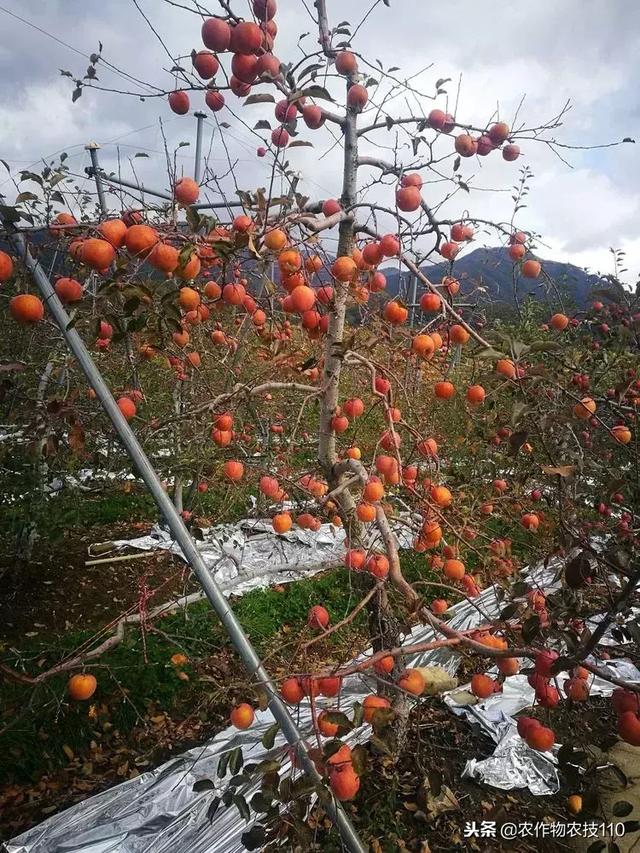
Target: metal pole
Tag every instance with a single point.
(142, 189)
(412, 300)
(92, 148)
(139, 187)
(180, 533)
(197, 167)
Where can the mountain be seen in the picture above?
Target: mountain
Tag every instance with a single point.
(486, 276)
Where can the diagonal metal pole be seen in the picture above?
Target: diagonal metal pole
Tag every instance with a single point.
(180, 533)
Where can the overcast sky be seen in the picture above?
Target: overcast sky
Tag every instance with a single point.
(551, 50)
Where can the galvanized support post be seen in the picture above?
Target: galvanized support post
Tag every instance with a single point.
(180, 533)
(93, 148)
(412, 299)
(197, 166)
(158, 194)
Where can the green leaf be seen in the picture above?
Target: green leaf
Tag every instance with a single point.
(239, 801)
(518, 412)
(203, 785)
(263, 98)
(360, 758)
(490, 353)
(269, 737)
(300, 143)
(545, 346)
(530, 628)
(517, 439)
(260, 803)
(236, 759)
(222, 765)
(26, 197)
(213, 808)
(519, 348)
(622, 808)
(381, 718)
(339, 719)
(254, 838)
(313, 92)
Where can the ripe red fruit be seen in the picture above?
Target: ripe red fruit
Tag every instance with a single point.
(346, 62)
(216, 34)
(499, 133)
(280, 137)
(544, 662)
(449, 250)
(625, 700)
(127, 407)
(466, 145)
(291, 691)
(246, 37)
(285, 111)
(68, 290)
(437, 119)
(390, 245)
(214, 100)
(331, 206)
(313, 116)
(372, 254)
(531, 268)
(485, 145)
(525, 723)
(511, 152)
(6, 267)
(206, 64)
(186, 191)
(264, 10)
(540, 738)
(239, 88)
(318, 617)
(408, 199)
(242, 716)
(629, 728)
(25, 308)
(548, 696)
(268, 66)
(345, 783)
(412, 179)
(482, 686)
(179, 102)
(357, 97)
(244, 67)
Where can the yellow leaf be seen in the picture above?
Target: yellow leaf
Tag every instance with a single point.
(68, 752)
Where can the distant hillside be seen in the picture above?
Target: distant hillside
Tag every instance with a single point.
(487, 275)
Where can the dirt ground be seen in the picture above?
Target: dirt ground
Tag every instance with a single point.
(41, 601)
